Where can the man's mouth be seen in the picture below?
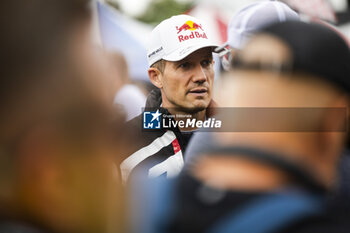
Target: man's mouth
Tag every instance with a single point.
(198, 91)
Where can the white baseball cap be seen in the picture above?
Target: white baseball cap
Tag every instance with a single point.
(176, 38)
(254, 17)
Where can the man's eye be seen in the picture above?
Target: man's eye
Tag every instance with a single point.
(206, 62)
(184, 65)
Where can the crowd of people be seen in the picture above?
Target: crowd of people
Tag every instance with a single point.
(73, 160)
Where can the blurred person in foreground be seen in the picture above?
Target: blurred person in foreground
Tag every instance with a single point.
(181, 67)
(269, 181)
(56, 139)
(243, 25)
(250, 19)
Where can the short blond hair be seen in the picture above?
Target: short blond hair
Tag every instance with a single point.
(160, 65)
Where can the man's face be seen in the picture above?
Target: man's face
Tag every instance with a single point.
(187, 84)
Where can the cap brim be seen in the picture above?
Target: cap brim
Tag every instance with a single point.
(181, 53)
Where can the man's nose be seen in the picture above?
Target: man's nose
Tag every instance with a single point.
(199, 75)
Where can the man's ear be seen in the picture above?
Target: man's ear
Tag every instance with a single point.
(155, 76)
(336, 117)
(334, 123)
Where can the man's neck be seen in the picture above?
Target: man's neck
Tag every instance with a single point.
(239, 174)
(183, 115)
(296, 147)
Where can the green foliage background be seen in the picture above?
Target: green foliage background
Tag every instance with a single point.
(158, 10)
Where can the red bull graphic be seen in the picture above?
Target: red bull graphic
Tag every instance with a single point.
(184, 27)
(191, 26)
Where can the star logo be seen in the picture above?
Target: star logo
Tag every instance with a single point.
(155, 115)
(151, 120)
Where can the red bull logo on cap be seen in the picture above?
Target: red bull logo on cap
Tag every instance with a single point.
(191, 26)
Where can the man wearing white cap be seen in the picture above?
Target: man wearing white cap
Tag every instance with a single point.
(250, 19)
(181, 67)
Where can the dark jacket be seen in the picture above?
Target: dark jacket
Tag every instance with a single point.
(154, 152)
(195, 212)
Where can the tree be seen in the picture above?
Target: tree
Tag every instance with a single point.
(158, 10)
(113, 4)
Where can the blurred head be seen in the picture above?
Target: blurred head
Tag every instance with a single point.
(250, 19)
(181, 63)
(292, 65)
(55, 137)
